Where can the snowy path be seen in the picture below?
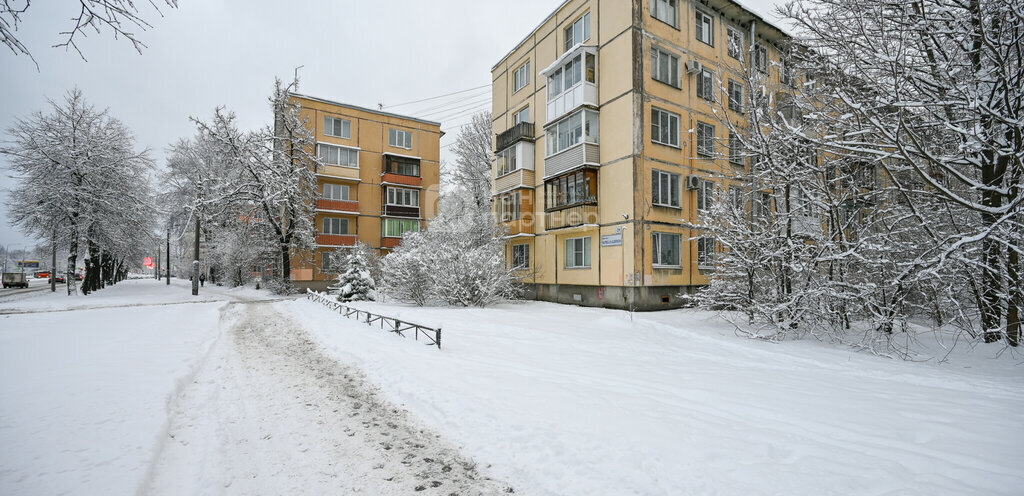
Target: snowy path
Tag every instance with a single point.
(268, 413)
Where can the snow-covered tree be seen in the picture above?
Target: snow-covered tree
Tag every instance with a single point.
(122, 17)
(80, 180)
(356, 283)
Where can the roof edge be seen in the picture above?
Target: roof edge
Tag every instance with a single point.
(364, 109)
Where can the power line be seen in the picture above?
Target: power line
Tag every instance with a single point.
(464, 105)
(433, 97)
(448, 104)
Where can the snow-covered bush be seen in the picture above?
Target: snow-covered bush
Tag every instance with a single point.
(356, 283)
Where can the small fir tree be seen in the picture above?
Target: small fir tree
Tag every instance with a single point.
(356, 283)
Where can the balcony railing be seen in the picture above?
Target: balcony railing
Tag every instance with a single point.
(576, 215)
(337, 205)
(401, 211)
(336, 239)
(521, 131)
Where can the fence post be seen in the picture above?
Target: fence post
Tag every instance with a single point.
(438, 337)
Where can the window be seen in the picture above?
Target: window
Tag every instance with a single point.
(786, 73)
(762, 205)
(705, 195)
(705, 28)
(736, 193)
(571, 74)
(665, 189)
(521, 77)
(705, 252)
(665, 67)
(522, 116)
(665, 11)
(577, 253)
(403, 197)
(761, 58)
(400, 139)
(573, 130)
(332, 263)
(570, 189)
(735, 96)
(706, 84)
(666, 249)
(402, 166)
(735, 47)
(396, 228)
(509, 206)
(521, 256)
(335, 226)
(336, 192)
(337, 155)
(705, 139)
(664, 127)
(577, 32)
(507, 161)
(339, 128)
(735, 150)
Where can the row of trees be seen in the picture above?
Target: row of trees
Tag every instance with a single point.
(885, 185)
(249, 194)
(81, 183)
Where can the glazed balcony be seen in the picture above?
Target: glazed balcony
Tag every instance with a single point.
(401, 211)
(572, 158)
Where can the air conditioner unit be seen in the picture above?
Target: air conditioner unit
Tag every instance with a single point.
(693, 66)
(693, 182)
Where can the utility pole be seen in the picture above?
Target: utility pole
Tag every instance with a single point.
(168, 256)
(53, 262)
(195, 261)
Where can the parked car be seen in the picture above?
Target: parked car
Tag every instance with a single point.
(15, 280)
(60, 279)
(79, 276)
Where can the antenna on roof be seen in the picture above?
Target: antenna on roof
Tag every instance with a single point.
(297, 76)
(380, 106)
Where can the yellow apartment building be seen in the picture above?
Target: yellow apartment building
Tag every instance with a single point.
(379, 181)
(610, 142)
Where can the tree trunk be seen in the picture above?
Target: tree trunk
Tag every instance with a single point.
(168, 257)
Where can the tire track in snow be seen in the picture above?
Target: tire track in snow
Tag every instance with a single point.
(269, 413)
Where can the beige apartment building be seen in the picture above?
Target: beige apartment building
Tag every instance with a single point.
(379, 181)
(610, 143)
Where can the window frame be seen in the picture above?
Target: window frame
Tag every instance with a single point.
(731, 34)
(674, 4)
(341, 187)
(521, 77)
(735, 100)
(517, 118)
(346, 127)
(706, 84)
(703, 150)
(705, 195)
(393, 141)
(735, 149)
(706, 254)
(584, 252)
(656, 67)
(570, 31)
(657, 242)
(701, 15)
(761, 58)
(521, 261)
(350, 151)
(401, 223)
(658, 122)
(329, 221)
(402, 197)
(674, 194)
(556, 135)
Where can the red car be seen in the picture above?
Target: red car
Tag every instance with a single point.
(60, 279)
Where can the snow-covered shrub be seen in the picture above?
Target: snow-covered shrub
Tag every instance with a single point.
(356, 283)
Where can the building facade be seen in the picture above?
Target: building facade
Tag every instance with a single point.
(611, 141)
(379, 180)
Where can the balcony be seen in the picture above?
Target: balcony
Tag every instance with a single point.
(336, 239)
(572, 158)
(516, 179)
(571, 216)
(337, 206)
(518, 132)
(401, 211)
(572, 81)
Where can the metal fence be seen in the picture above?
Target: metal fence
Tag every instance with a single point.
(430, 335)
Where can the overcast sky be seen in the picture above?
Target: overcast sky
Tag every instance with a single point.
(210, 53)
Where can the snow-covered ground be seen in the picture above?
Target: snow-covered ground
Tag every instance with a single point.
(566, 400)
(143, 388)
